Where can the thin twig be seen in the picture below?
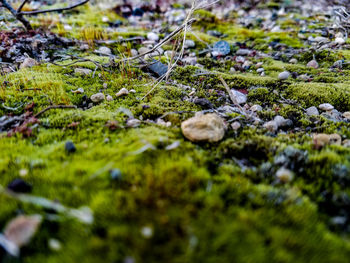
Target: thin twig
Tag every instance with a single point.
(29, 13)
(54, 107)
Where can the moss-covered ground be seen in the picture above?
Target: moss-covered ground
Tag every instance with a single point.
(208, 202)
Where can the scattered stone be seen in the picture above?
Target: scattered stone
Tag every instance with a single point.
(78, 91)
(346, 115)
(256, 108)
(209, 127)
(143, 50)
(240, 97)
(134, 52)
(19, 231)
(279, 120)
(335, 139)
(28, 63)
(190, 43)
(147, 232)
(321, 139)
(260, 70)
(284, 75)
(271, 126)
(115, 175)
(236, 126)
(109, 98)
(312, 111)
(293, 61)
(105, 50)
(133, 123)
(346, 143)
(339, 41)
(70, 147)
(83, 71)
(222, 48)
(204, 103)
(19, 186)
(98, 97)
(152, 36)
(157, 68)
(326, 107)
(313, 64)
(243, 52)
(54, 244)
(284, 175)
(122, 92)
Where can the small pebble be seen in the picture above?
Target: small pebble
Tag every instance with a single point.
(293, 61)
(19, 186)
(326, 107)
(279, 120)
(83, 71)
(147, 232)
(122, 92)
(98, 97)
(109, 98)
(284, 175)
(321, 139)
(54, 244)
(312, 64)
(256, 108)
(271, 126)
(335, 139)
(284, 75)
(105, 50)
(312, 111)
(339, 41)
(28, 63)
(236, 126)
(152, 36)
(115, 174)
(78, 91)
(70, 147)
(346, 115)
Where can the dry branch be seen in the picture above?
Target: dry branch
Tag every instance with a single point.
(19, 15)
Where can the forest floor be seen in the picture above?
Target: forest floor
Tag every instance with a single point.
(241, 155)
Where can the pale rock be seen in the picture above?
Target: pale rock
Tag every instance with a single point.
(189, 43)
(284, 75)
(326, 107)
(241, 98)
(105, 50)
(279, 120)
(83, 71)
(209, 127)
(98, 97)
(256, 108)
(335, 139)
(339, 41)
(313, 64)
(109, 98)
(312, 111)
(284, 175)
(236, 126)
(346, 115)
(122, 92)
(152, 36)
(321, 139)
(271, 126)
(28, 63)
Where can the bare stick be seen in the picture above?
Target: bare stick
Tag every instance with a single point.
(54, 107)
(29, 13)
(21, 6)
(19, 15)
